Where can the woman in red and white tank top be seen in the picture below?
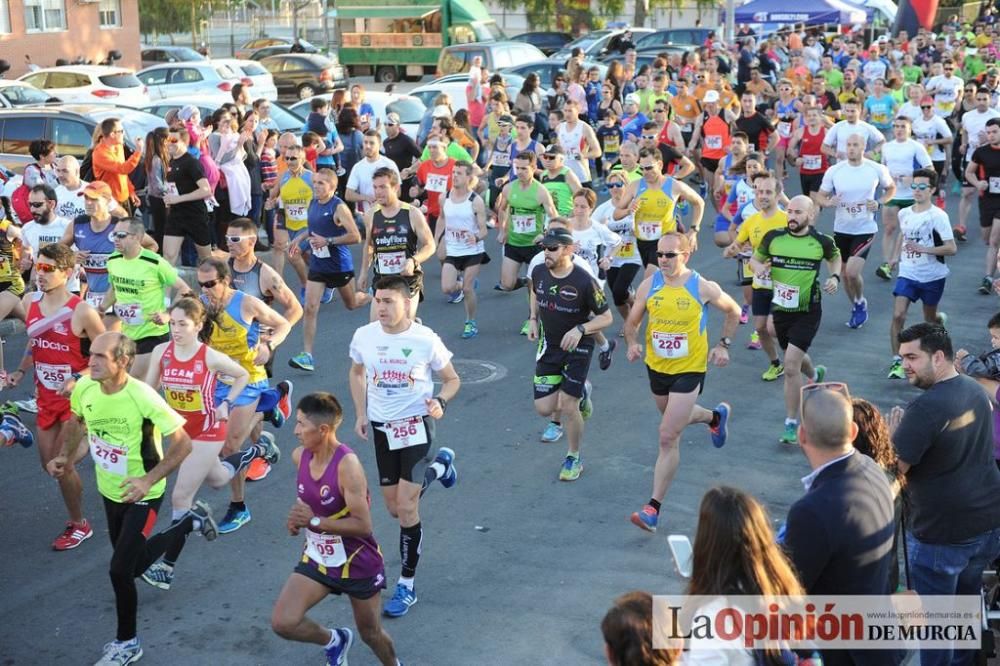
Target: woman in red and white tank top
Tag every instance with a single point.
(806, 145)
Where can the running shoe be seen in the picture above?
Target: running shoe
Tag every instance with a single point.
(896, 371)
(284, 407)
(121, 653)
(327, 296)
(73, 535)
(258, 469)
(942, 318)
(862, 312)
(457, 296)
(744, 313)
(234, 520)
(721, 431)
(604, 358)
(271, 453)
(939, 202)
(959, 233)
(302, 295)
(446, 457)
(703, 189)
(470, 330)
(302, 361)
(851, 323)
(9, 408)
(820, 373)
(16, 432)
(159, 575)
(31, 405)
(553, 432)
(985, 287)
(337, 656)
(571, 469)
(526, 327)
(401, 601)
(791, 434)
(754, 341)
(773, 372)
(586, 404)
(202, 513)
(884, 271)
(646, 519)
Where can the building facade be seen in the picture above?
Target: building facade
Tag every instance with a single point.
(47, 30)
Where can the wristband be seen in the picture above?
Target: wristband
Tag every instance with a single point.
(835, 275)
(442, 402)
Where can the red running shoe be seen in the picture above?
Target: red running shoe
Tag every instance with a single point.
(73, 535)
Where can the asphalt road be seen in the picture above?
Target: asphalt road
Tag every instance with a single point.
(517, 568)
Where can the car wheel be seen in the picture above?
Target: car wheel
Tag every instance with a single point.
(306, 91)
(387, 75)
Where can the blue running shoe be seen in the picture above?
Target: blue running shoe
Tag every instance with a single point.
(456, 296)
(15, 431)
(646, 519)
(721, 431)
(337, 656)
(853, 321)
(703, 190)
(302, 295)
(470, 330)
(862, 313)
(553, 432)
(327, 296)
(401, 601)
(234, 520)
(446, 457)
(302, 361)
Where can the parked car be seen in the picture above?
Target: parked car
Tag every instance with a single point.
(213, 80)
(547, 42)
(16, 93)
(595, 43)
(454, 85)
(251, 45)
(458, 58)
(156, 55)
(304, 75)
(547, 70)
(90, 83)
(410, 108)
(254, 75)
(279, 49)
(287, 121)
(688, 37)
(135, 122)
(647, 56)
(70, 130)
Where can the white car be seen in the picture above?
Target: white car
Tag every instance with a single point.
(90, 83)
(409, 108)
(253, 74)
(15, 93)
(454, 86)
(211, 80)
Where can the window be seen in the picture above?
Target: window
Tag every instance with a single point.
(154, 77)
(22, 95)
(18, 133)
(67, 80)
(110, 12)
(294, 65)
(5, 16)
(71, 137)
(185, 75)
(44, 15)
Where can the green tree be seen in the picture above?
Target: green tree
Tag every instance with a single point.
(564, 15)
(169, 16)
(644, 9)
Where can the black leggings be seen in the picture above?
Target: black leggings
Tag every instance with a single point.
(620, 279)
(129, 526)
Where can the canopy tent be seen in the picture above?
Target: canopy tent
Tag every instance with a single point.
(884, 8)
(817, 12)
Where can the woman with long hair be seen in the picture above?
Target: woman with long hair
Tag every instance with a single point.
(530, 101)
(155, 162)
(226, 145)
(349, 129)
(616, 77)
(627, 628)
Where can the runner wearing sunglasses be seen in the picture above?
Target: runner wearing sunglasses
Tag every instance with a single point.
(677, 356)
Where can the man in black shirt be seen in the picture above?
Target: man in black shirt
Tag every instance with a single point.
(401, 149)
(565, 297)
(755, 124)
(944, 440)
(187, 189)
(983, 173)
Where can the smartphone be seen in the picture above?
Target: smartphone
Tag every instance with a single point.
(680, 548)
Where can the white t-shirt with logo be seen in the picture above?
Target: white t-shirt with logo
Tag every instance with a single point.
(398, 369)
(921, 228)
(360, 179)
(855, 186)
(589, 240)
(69, 202)
(932, 130)
(974, 124)
(902, 158)
(945, 90)
(37, 236)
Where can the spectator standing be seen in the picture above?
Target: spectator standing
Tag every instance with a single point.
(70, 187)
(111, 165)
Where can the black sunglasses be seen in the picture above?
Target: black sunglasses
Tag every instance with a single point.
(209, 284)
(121, 235)
(668, 255)
(551, 248)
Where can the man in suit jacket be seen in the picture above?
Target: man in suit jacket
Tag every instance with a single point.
(839, 535)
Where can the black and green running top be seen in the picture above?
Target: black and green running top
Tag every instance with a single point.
(795, 262)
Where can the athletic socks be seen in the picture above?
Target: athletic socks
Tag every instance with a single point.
(792, 422)
(409, 548)
(776, 362)
(655, 504)
(406, 582)
(432, 473)
(716, 417)
(605, 347)
(238, 506)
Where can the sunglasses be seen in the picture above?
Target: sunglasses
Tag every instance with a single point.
(649, 137)
(920, 187)
(46, 268)
(209, 284)
(236, 239)
(552, 248)
(120, 235)
(548, 157)
(291, 159)
(668, 255)
(37, 204)
(615, 186)
(650, 167)
(926, 107)
(809, 390)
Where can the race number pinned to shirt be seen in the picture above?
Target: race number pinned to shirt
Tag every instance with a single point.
(322, 252)
(326, 550)
(183, 398)
(391, 263)
(784, 129)
(295, 212)
(855, 210)
(112, 458)
(626, 250)
(52, 376)
(437, 182)
(812, 162)
(650, 230)
(670, 345)
(785, 296)
(404, 433)
(130, 313)
(524, 224)
(994, 185)
(713, 141)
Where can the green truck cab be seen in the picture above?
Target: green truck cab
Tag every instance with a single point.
(404, 39)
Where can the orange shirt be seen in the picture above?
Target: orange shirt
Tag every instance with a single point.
(685, 110)
(109, 164)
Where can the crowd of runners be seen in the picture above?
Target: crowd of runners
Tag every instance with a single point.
(596, 197)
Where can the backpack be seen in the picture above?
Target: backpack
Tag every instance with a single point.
(19, 199)
(351, 154)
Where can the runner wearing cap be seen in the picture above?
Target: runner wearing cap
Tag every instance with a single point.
(567, 307)
(557, 178)
(712, 133)
(632, 118)
(434, 179)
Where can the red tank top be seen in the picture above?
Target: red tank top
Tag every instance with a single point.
(715, 136)
(56, 352)
(189, 388)
(813, 159)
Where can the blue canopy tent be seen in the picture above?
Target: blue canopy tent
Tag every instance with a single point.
(817, 12)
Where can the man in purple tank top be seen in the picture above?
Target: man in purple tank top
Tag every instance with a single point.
(340, 555)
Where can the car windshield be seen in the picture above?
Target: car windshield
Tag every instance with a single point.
(410, 110)
(185, 54)
(285, 119)
(20, 95)
(252, 69)
(121, 80)
(588, 40)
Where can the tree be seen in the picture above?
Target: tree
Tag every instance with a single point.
(168, 16)
(563, 14)
(643, 8)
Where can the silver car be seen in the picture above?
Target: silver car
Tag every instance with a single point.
(212, 80)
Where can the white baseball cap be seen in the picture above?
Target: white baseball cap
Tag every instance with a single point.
(712, 96)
